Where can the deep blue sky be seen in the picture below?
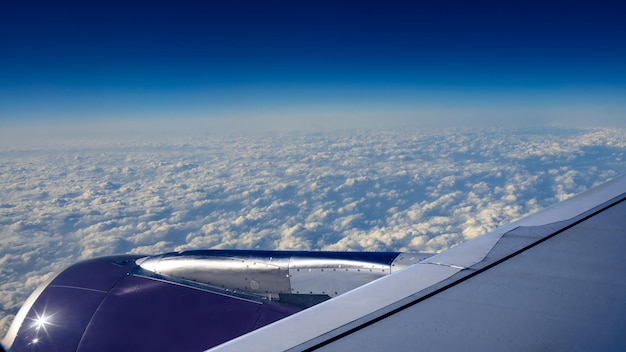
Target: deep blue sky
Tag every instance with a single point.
(307, 62)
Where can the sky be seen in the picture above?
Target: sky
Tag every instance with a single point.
(402, 90)
(172, 66)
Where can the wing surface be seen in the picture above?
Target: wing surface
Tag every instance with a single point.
(551, 281)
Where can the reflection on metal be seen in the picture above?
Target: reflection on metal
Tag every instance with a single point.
(20, 318)
(41, 322)
(254, 275)
(332, 277)
(405, 259)
(278, 275)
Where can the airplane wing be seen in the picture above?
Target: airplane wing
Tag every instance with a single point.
(553, 280)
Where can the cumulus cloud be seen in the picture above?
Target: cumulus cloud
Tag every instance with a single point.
(350, 190)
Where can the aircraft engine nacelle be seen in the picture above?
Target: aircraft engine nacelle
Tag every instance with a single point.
(187, 300)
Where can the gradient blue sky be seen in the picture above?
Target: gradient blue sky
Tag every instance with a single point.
(301, 64)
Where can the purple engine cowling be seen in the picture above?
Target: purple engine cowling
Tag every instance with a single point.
(98, 305)
(185, 301)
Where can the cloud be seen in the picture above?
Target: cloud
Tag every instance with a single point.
(392, 190)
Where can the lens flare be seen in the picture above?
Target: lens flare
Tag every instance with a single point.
(41, 321)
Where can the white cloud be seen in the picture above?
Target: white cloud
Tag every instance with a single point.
(349, 190)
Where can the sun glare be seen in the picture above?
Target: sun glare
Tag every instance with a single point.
(41, 322)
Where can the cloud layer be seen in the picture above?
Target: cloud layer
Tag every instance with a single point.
(348, 190)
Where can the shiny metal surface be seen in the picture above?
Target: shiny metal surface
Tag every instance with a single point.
(270, 274)
(405, 259)
(263, 276)
(332, 276)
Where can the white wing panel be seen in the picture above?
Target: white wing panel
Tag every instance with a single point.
(564, 294)
(358, 319)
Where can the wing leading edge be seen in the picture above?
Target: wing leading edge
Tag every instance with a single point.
(553, 280)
